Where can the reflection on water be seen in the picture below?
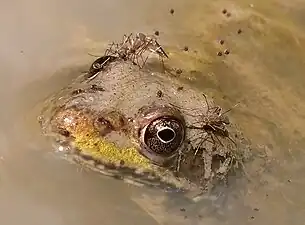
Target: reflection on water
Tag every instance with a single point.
(263, 71)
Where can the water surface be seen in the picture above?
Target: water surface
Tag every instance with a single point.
(43, 45)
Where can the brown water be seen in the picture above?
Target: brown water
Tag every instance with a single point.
(43, 42)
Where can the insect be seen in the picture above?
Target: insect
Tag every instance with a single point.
(98, 65)
(213, 125)
(133, 47)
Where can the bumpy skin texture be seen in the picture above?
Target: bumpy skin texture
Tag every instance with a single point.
(103, 123)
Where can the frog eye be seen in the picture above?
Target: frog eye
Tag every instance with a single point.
(163, 136)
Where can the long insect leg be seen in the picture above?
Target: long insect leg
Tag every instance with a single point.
(140, 51)
(160, 50)
(218, 140)
(206, 101)
(92, 55)
(230, 109)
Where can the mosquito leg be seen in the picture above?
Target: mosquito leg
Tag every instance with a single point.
(92, 55)
(140, 51)
(180, 155)
(206, 101)
(162, 62)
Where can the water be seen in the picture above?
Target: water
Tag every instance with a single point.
(41, 43)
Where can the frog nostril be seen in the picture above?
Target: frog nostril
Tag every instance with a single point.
(166, 134)
(103, 121)
(103, 126)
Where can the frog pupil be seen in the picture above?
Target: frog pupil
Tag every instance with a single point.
(166, 134)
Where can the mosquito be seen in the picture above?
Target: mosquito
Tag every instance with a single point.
(133, 47)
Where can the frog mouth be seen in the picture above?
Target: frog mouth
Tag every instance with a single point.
(83, 136)
(86, 153)
(148, 176)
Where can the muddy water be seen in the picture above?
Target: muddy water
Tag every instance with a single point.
(43, 44)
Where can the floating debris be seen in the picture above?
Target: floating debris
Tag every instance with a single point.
(186, 48)
(172, 11)
(224, 11)
(239, 31)
(219, 53)
(157, 33)
(221, 42)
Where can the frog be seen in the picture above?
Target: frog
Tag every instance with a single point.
(143, 126)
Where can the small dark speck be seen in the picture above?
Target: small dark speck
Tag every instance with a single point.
(118, 177)
(122, 163)
(111, 166)
(182, 209)
(219, 53)
(186, 48)
(227, 51)
(77, 91)
(221, 42)
(252, 217)
(180, 88)
(159, 94)
(185, 217)
(228, 14)
(270, 146)
(199, 216)
(256, 209)
(224, 11)
(178, 71)
(103, 121)
(95, 87)
(157, 33)
(172, 11)
(289, 180)
(239, 31)
(21, 51)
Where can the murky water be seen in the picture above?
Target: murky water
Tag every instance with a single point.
(43, 42)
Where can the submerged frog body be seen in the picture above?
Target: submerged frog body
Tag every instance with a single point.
(142, 126)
